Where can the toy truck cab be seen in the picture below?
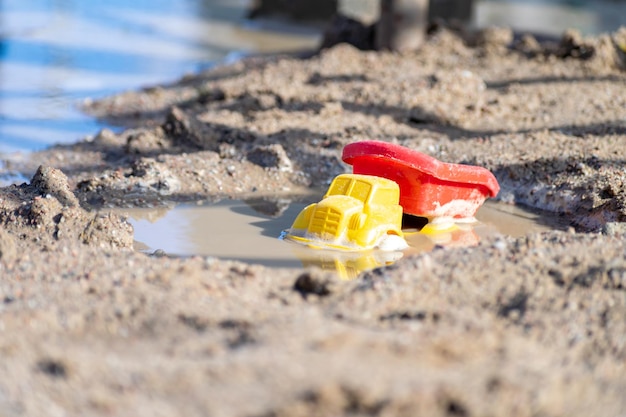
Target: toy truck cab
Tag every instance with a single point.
(358, 212)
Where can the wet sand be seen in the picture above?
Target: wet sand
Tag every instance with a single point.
(520, 326)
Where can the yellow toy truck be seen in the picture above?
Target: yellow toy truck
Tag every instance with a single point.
(358, 212)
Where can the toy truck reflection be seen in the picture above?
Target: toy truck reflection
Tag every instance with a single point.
(358, 212)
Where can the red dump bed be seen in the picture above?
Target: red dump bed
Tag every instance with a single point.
(428, 187)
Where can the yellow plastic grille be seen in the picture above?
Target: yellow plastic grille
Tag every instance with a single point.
(325, 221)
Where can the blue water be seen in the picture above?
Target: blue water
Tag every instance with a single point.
(56, 53)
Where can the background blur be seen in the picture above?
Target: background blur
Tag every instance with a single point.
(56, 53)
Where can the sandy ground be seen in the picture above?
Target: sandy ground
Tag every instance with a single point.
(533, 326)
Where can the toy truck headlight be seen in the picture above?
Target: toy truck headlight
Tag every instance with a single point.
(357, 221)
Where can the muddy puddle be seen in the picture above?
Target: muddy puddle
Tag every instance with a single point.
(249, 231)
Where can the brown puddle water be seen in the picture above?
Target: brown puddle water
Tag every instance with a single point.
(249, 231)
